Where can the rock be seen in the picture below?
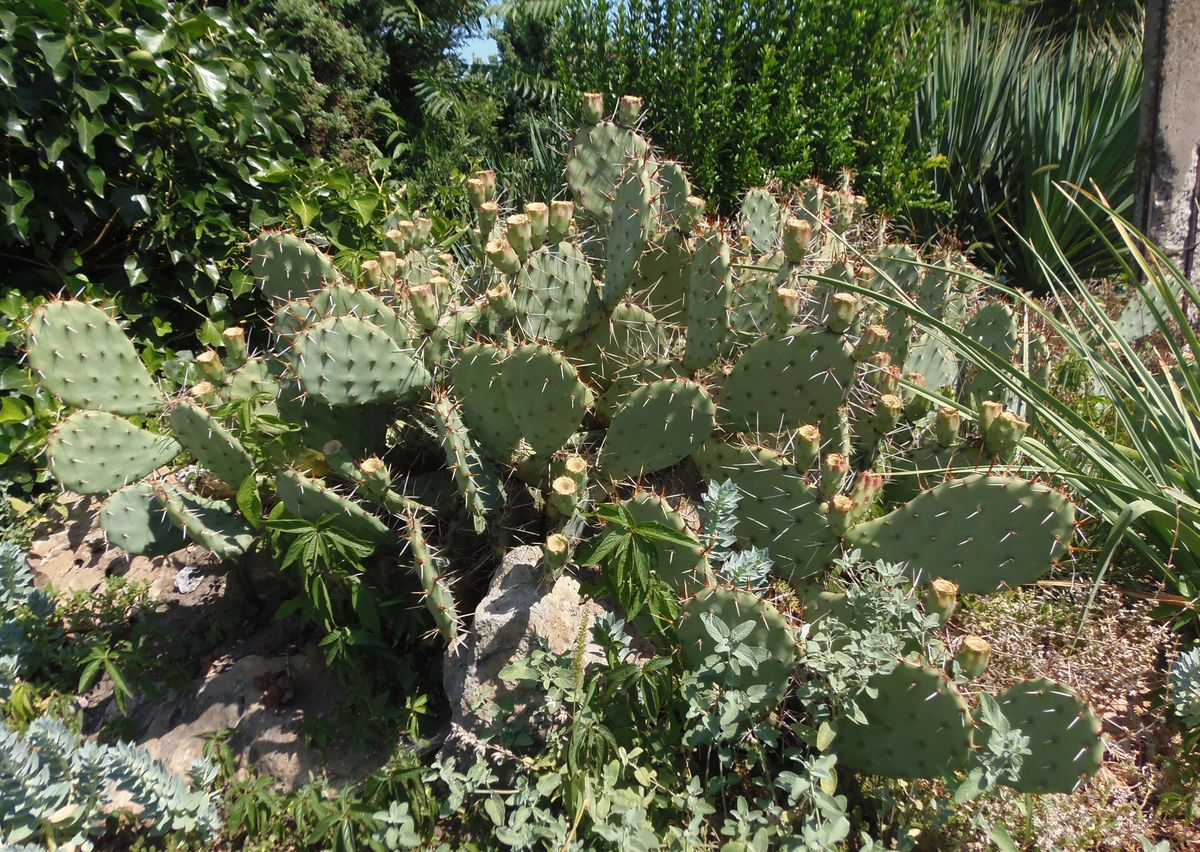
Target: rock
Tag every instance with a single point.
(517, 614)
(265, 702)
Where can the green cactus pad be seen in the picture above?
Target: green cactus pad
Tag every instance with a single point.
(684, 568)
(362, 434)
(706, 305)
(781, 511)
(313, 500)
(898, 265)
(663, 276)
(634, 217)
(1064, 735)
(761, 219)
(994, 327)
(675, 190)
(456, 329)
(94, 452)
(933, 293)
(659, 425)
(439, 600)
(476, 480)
(555, 294)
(82, 357)
(135, 520)
(212, 524)
(211, 443)
(476, 379)
(596, 162)
(630, 335)
(288, 267)
(256, 378)
(343, 300)
(918, 726)
(348, 361)
(752, 302)
(787, 379)
(544, 396)
(934, 359)
(770, 633)
(288, 321)
(633, 377)
(981, 532)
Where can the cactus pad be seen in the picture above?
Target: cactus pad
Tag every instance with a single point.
(476, 480)
(633, 377)
(476, 379)
(211, 443)
(760, 218)
(1064, 735)
(349, 361)
(595, 164)
(94, 452)
(981, 532)
(918, 726)
(342, 300)
(659, 425)
(212, 524)
(630, 334)
(706, 304)
(663, 276)
(313, 500)
(634, 217)
(135, 520)
(544, 396)
(770, 633)
(788, 379)
(994, 327)
(286, 266)
(83, 358)
(675, 190)
(684, 568)
(555, 294)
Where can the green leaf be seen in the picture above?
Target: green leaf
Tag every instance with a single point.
(825, 736)
(304, 210)
(53, 48)
(212, 78)
(14, 410)
(660, 532)
(601, 550)
(250, 502)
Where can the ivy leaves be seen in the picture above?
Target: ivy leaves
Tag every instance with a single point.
(628, 558)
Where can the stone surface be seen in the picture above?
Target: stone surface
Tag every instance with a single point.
(516, 614)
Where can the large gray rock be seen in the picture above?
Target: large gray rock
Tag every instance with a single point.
(519, 612)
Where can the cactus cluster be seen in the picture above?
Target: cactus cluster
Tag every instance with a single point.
(573, 346)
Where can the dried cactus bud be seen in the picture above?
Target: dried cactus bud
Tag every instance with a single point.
(564, 495)
(887, 379)
(864, 275)
(797, 237)
(874, 338)
(916, 405)
(807, 446)
(376, 479)
(519, 234)
(234, 341)
(946, 426)
(502, 255)
(887, 413)
(556, 552)
(834, 468)
(562, 213)
(989, 410)
(692, 213)
(424, 306)
(487, 213)
(386, 263)
(211, 367)
(422, 231)
(500, 299)
(394, 240)
(787, 303)
(941, 598)
(843, 308)
(838, 513)
(591, 107)
(629, 110)
(408, 232)
(973, 655)
(866, 488)
(476, 192)
(446, 259)
(539, 222)
(573, 467)
(1005, 434)
(203, 391)
(488, 178)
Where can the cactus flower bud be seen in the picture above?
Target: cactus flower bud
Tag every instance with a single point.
(476, 192)
(838, 512)
(629, 110)
(564, 495)
(946, 427)
(1005, 434)
(234, 340)
(973, 655)
(916, 406)
(556, 552)
(834, 468)
(561, 215)
(488, 178)
(866, 488)
(887, 413)
(591, 107)
(376, 479)
(407, 231)
(572, 467)
(843, 308)
(989, 410)
(539, 222)
(211, 367)
(807, 446)
(500, 299)
(394, 240)
(487, 213)
(422, 231)
(424, 306)
(386, 262)
(874, 338)
(941, 599)
(502, 255)
(203, 391)
(519, 234)
(887, 378)
(797, 237)
(787, 303)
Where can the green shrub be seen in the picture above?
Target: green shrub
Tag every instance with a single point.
(741, 91)
(1003, 115)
